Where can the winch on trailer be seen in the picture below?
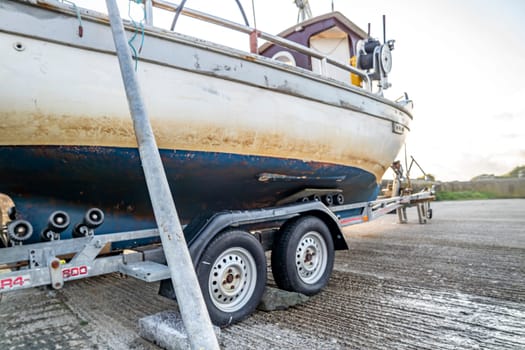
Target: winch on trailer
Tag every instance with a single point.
(227, 248)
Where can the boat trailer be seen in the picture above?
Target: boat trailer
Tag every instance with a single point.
(58, 261)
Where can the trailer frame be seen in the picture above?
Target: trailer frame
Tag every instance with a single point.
(58, 261)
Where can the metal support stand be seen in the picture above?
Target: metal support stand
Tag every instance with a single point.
(424, 212)
(421, 214)
(402, 215)
(191, 303)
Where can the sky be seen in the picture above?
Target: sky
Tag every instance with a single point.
(462, 62)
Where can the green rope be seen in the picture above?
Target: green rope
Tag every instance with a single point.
(80, 28)
(136, 25)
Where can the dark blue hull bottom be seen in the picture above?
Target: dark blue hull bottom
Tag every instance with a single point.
(41, 180)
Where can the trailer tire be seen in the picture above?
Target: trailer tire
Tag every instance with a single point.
(303, 256)
(232, 276)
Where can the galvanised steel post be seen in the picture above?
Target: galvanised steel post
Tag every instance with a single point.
(191, 303)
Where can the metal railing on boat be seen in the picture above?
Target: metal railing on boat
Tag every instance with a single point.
(325, 61)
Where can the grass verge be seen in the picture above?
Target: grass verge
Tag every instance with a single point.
(463, 195)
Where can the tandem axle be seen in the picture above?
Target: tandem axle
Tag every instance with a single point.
(227, 249)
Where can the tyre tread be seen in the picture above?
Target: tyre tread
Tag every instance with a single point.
(225, 240)
(284, 273)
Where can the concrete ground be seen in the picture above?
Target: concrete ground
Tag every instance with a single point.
(456, 283)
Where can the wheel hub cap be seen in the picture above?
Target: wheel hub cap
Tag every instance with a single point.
(232, 279)
(310, 257)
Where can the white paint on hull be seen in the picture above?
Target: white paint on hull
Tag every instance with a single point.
(66, 95)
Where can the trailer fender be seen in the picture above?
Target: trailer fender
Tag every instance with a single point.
(333, 225)
(203, 229)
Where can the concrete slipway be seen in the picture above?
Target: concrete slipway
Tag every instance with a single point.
(458, 282)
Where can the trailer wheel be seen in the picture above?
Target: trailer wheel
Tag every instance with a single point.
(303, 256)
(232, 276)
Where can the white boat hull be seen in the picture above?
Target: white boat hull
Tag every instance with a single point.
(64, 94)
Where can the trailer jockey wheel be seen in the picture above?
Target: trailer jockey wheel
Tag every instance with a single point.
(232, 276)
(303, 256)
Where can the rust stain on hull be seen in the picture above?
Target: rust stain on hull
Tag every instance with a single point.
(42, 129)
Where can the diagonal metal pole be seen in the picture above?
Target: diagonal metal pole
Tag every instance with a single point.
(191, 303)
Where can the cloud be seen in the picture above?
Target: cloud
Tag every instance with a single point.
(496, 163)
(505, 116)
(513, 136)
(464, 165)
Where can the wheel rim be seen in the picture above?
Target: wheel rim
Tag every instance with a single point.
(311, 257)
(232, 279)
